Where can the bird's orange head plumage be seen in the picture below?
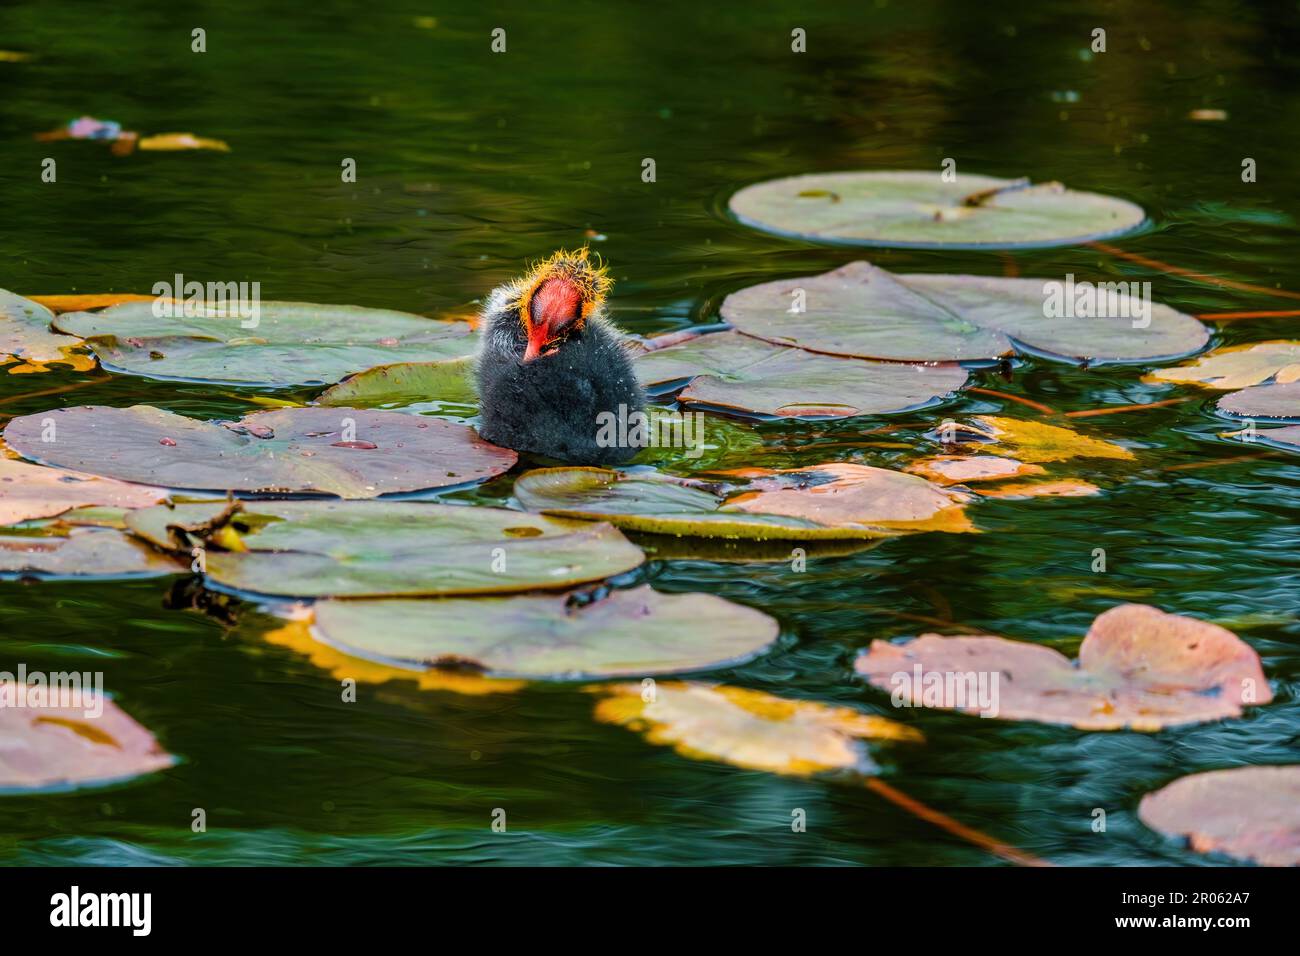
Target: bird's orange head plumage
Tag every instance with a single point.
(558, 296)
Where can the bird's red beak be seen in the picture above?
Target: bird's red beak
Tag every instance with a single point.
(554, 306)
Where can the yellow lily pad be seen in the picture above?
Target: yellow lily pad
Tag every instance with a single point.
(748, 728)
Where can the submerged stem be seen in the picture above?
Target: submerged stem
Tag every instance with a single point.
(945, 822)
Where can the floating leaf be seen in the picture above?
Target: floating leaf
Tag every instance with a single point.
(171, 142)
(1056, 488)
(1238, 366)
(80, 303)
(921, 209)
(863, 311)
(352, 453)
(1036, 442)
(296, 635)
(1251, 813)
(820, 502)
(406, 383)
(963, 469)
(292, 343)
(31, 491)
(386, 548)
(57, 738)
(847, 495)
(25, 333)
(748, 728)
(739, 373)
(82, 553)
(625, 633)
(1287, 439)
(1279, 401)
(1138, 668)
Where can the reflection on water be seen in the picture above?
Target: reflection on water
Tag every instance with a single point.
(470, 163)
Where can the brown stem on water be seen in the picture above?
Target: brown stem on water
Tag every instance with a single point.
(1117, 409)
(668, 339)
(1036, 406)
(1189, 274)
(1218, 461)
(903, 615)
(1232, 316)
(54, 391)
(945, 822)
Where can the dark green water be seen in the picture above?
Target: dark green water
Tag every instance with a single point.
(470, 163)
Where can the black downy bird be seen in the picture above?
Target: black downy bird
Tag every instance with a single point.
(550, 364)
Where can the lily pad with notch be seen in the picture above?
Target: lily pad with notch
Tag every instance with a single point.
(621, 633)
(862, 311)
(385, 548)
(922, 210)
(292, 343)
(738, 373)
(1138, 668)
(351, 453)
(821, 502)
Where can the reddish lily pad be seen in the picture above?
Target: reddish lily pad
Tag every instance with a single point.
(1250, 813)
(1287, 439)
(292, 343)
(1138, 668)
(352, 453)
(1278, 401)
(821, 502)
(83, 552)
(863, 311)
(748, 728)
(57, 739)
(31, 491)
(385, 548)
(625, 633)
(739, 373)
(922, 209)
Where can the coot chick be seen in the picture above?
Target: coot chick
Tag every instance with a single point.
(550, 363)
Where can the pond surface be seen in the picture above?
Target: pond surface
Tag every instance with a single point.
(469, 164)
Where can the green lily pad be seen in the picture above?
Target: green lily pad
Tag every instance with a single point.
(25, 332)
(385, 548)
(1277, 401)
(863, 311)
(736, 372)
(82, 553)
(352, 453)
(293, 343)
(821, 502)
(919, 209)
(1238, 366)
(406, 383)
(63, 739)
(625, 633)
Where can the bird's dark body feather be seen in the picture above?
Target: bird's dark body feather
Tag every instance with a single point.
(550, 406)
